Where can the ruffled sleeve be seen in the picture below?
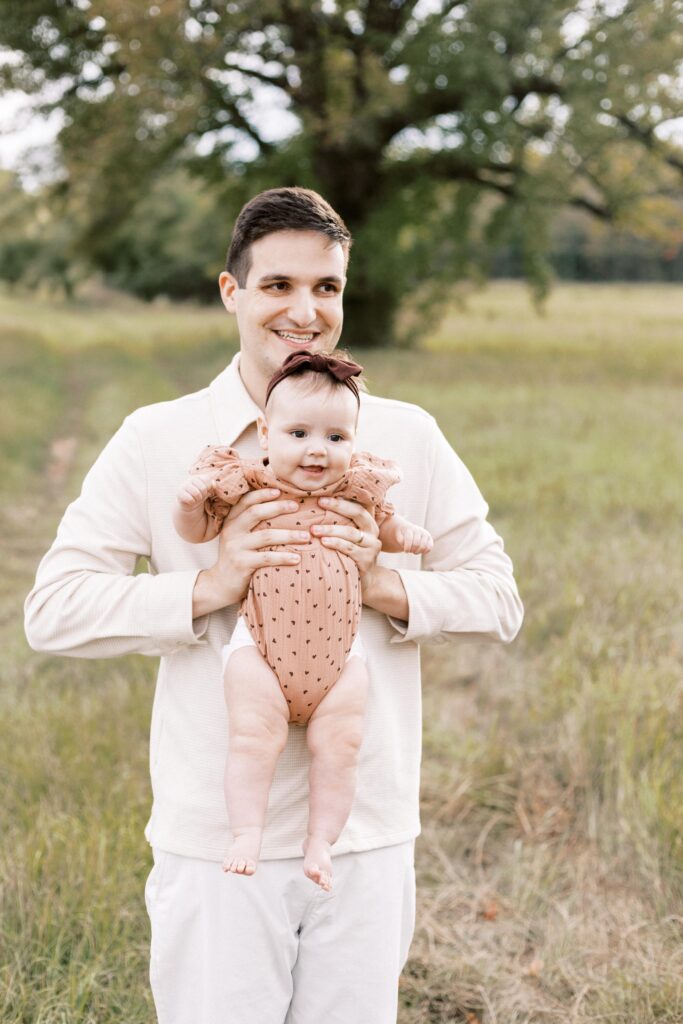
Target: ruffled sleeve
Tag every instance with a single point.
(367, 481)
(224, 466)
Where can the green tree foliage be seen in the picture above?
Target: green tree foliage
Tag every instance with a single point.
(440, 131)
(37, 241)
(17, 216)
(174, 245)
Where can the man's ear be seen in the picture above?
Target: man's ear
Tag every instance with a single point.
(262, 428)
(228, 287)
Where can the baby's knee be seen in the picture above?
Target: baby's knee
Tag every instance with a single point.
(257, 744)
(252, 731)
(337, 737)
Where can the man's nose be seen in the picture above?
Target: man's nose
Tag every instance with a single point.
(302, 308)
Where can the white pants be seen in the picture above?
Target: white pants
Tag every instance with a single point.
(274, 948)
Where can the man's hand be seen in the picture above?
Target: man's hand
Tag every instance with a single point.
(241, 550)
(382, 588)
(359, 539)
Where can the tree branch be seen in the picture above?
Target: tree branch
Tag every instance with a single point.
(279, 81)
(238, 120)
(646, 136)
(449, 165)
(581, 203)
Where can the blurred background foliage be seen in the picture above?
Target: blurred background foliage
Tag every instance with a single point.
(457, 140)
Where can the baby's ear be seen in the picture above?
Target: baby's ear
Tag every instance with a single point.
(262, 429)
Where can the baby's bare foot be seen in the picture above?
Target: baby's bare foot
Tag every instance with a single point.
(242, 856)
(318, 861)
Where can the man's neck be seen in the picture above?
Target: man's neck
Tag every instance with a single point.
(255, 385)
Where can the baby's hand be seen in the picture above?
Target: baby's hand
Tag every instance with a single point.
(415, 539)
(194, 493)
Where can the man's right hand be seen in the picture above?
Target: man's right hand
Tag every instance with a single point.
(242, 551)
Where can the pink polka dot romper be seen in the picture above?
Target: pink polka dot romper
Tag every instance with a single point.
(304, 617)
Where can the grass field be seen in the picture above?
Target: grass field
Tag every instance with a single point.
(551, 862)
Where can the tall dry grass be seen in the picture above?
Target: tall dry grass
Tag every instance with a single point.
(550, 861)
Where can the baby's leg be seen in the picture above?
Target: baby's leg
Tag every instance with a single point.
(334, 735)
(258, 717)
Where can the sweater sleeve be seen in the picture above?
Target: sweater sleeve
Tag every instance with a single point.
(86, 600)
(367, 482)
(466, 587)
(226, 468)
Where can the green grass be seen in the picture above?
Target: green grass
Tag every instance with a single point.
(551, 863)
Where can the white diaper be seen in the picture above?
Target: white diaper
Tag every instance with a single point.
(241, 637)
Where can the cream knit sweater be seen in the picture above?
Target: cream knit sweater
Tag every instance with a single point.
(87, 603)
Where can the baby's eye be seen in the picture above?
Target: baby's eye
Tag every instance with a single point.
(298, 433)
(336, 437)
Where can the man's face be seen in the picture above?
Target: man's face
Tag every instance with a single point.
(292, 300)
(309, 436)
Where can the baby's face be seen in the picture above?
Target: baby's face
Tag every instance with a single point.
(309, 436)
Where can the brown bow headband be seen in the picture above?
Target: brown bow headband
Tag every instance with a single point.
(300, 362)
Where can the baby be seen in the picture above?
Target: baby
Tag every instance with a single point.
(295, 655)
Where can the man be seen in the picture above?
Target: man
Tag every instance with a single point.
(272, 948)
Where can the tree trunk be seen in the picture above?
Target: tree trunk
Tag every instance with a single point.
(369, 318)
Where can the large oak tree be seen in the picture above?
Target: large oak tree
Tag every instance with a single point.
(438, 130)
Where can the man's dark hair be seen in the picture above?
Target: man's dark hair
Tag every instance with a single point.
(281, 209)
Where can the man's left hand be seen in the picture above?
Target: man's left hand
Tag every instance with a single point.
(359, 539)
(382, 588)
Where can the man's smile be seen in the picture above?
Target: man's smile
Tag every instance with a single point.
(294, 338)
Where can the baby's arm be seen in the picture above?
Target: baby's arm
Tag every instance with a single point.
(189, 514)
(397, 534)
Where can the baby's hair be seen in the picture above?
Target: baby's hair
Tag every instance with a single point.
(311, 380)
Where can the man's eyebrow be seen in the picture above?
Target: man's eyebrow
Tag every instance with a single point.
(328, 279)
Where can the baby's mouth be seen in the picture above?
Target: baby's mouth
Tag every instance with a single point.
(315, 470)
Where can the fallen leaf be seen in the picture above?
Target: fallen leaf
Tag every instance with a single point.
(490, 910)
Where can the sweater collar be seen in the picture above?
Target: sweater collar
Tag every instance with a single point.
(232, 406)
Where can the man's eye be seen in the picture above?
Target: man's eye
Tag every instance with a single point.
(329, 288)
(278, 286)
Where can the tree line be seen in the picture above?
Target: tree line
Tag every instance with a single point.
(175, 246)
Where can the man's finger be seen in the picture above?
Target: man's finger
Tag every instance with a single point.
(251, 513)
(265, 538)
(259, 559)
(354, 534)
(352, 510)
(267, 510)
(252, 498)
